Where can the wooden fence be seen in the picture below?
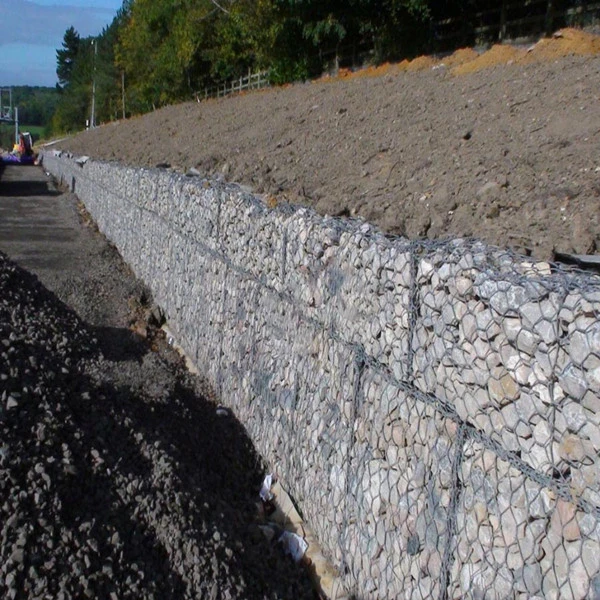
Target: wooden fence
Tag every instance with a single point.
(489, 22)
(252, 81)
(508, 19)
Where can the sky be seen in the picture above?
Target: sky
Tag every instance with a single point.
(32, 30)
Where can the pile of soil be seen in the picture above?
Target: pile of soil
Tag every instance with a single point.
(498, 54)
(564, 42)
(507, 153)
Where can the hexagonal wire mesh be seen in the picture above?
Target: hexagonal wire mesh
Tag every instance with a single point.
(434, 407)
(461, 457)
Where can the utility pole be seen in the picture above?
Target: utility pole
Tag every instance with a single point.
(93, 119)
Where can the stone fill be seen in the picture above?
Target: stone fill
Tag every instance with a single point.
(432, 407)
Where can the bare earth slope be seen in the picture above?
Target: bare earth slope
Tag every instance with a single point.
(509, 154)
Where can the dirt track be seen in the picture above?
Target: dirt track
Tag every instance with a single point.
(509, 154)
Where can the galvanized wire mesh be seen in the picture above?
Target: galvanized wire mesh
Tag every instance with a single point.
(434, 407)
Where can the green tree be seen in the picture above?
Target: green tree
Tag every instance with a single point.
(243, 40)
(397, 28)
(317, 34)
(36, 104)
(160, 49)
(65, 58)
(91, 66)
(304, 31)
(74, 103)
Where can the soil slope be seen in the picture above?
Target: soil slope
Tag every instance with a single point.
(506, 149)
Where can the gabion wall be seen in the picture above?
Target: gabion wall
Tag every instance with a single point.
(434, 408)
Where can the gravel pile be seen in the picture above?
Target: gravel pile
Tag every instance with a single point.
(117, 478)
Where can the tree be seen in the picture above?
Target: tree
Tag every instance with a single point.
(85, 62)
(243, 39)
(397, 28)
(75, 97)
(157, 48)
(165, 50)
(65, 58)
(318, 33)
(36, 104)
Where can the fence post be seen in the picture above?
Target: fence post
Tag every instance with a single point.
(502, 32)
(549, 17)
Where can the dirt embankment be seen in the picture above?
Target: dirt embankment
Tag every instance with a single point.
(502, 146)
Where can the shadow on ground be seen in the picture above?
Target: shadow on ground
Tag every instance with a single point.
(117, 476)
(25, 187)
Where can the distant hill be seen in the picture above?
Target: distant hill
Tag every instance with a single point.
(36, 104)
(36, 107)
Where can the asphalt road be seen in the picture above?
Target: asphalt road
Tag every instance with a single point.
(37, 228)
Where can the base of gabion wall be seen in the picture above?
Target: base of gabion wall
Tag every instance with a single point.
(434, 408)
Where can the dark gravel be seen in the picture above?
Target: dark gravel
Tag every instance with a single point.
(117, 478)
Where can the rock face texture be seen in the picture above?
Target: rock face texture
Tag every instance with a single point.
(434, 408)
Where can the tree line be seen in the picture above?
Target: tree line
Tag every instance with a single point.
(36, 109)
(156, 52)
(36, 103)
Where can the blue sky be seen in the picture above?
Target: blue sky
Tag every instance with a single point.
(32, 30)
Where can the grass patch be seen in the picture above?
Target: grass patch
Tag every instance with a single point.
(36, 131)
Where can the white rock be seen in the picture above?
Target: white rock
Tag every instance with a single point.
(590, 555)
(532, 577)
(572, 381)
(542, 433)
(574, 415)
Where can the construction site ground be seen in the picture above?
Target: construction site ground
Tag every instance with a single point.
(119, 475)
(501, 146)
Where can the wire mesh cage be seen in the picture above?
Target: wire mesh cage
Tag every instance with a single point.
(433, 407)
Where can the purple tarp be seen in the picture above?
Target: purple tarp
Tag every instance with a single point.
(11, 159)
